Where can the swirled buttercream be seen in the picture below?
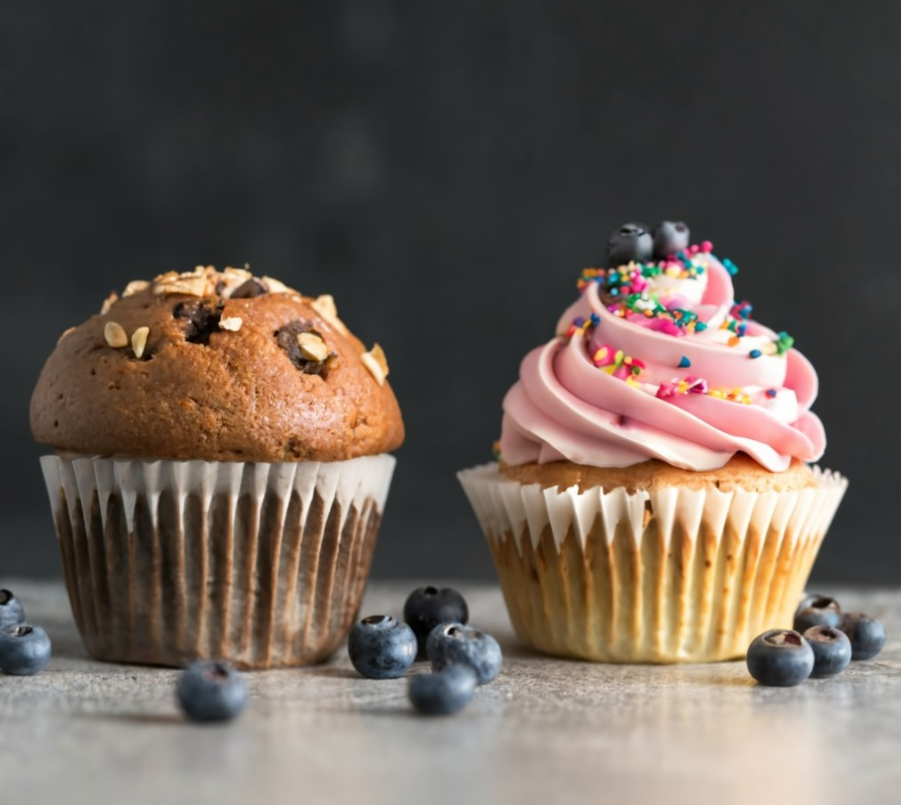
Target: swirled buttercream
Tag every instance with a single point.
(661, 362)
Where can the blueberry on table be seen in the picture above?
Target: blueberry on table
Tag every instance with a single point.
(780, 657)
(11, 611)
(443, 692)
(426, 607)
(809, 599)
(211, 691)
(831, 650)
(453, 643)
(670, 237)
(24, 649)
(630, 242)
(381, 647)
(867, 635)
(817, 610)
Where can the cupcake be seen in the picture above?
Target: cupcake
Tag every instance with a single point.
(219, 470)
(653, 499)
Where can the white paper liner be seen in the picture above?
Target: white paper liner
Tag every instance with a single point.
(261, 564)
(755, 551)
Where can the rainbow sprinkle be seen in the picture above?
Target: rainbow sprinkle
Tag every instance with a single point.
(615, 362)
(695, 385)
(633, 277)
(626, 292)
(783, 343)
(689, 385)
(735, 395)
(580, 325)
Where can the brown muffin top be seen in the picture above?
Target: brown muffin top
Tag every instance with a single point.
(221, 366)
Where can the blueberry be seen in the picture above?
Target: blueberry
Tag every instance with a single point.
(867, 635)
(831, 650)
(381, 647)
(817, 610)
(670, 237)
(780, 657)
(429, 606)
(451, 643)
(630, 242)
(444, 692)
(809, 599)
(24, 649)
(211, 691)
(11, 612)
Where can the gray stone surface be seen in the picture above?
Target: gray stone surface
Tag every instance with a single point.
(546, 731)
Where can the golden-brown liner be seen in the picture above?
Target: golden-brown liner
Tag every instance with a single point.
(668, 575)
(260, 564)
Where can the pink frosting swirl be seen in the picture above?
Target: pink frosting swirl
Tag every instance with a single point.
(565, 407)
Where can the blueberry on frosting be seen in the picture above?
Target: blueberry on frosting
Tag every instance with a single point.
(630, 242)
(670, 237)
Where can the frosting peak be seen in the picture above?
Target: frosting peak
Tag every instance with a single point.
(657, 360)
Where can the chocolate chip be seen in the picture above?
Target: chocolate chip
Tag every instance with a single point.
(201, 320)
(293, 449)
(250, 289)
(286, 338)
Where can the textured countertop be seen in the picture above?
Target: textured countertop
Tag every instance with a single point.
(546, 731)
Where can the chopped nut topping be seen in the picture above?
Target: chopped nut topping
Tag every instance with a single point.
(299, 350)
(65, 333)
(230, 283)
(275, 286)
(108, 303)
(190, 286)
(242, 273)
(139, 340)
(135, 286)
(230, 280)
(312, 347)
(376, 362)
(325, 306)
(115, 336)
(379, 354)
(232, 323)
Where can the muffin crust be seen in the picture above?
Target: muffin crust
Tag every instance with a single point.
(219, 366)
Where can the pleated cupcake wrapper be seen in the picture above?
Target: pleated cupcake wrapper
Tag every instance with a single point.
(260, 564)
(671, 575)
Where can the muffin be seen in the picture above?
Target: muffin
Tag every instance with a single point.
(220, 469)
(653, 499)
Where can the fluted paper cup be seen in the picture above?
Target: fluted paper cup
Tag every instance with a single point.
(263, 565)
(669, 575)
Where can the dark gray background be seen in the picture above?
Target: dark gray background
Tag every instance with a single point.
(445, 169)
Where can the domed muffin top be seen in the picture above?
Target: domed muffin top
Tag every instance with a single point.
(220, 366)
